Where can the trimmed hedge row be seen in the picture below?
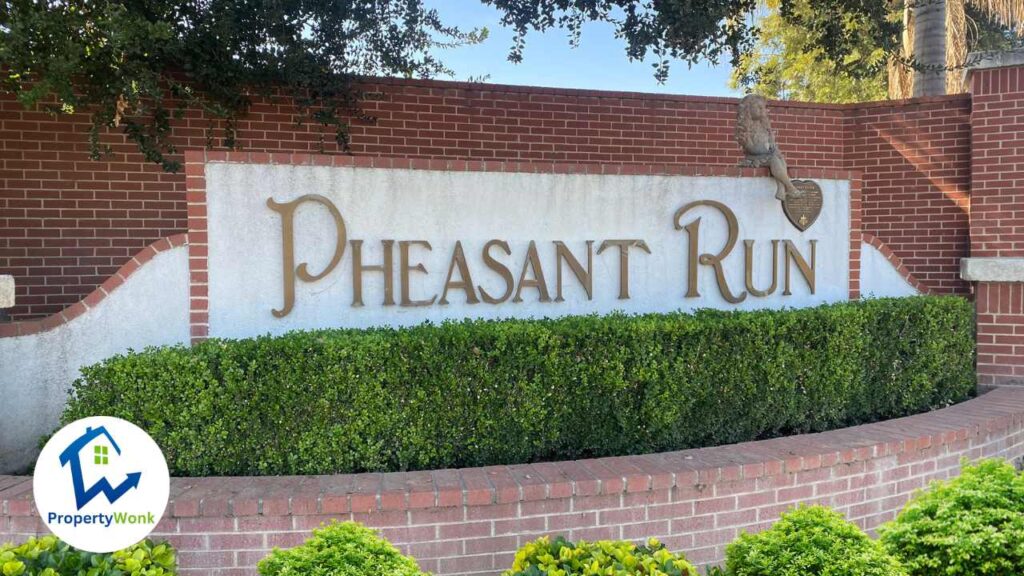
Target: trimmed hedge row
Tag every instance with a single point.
(477, 393)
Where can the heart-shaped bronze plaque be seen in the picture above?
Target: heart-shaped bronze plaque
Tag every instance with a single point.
(803, 211)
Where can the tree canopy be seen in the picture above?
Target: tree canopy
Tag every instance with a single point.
(785, 63)
(133, 65)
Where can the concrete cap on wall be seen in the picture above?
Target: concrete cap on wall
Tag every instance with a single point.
(992, 269)
(6, 291)
(993, 59)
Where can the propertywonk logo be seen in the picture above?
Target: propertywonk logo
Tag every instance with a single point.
(101, 484)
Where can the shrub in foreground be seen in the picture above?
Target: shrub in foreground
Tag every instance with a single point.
(49, 556)
(340, 549)
(478, 393)
(546, 556)
(972, 525)
(810, 541)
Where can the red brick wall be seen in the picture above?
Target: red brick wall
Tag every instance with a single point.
(997, 220)
(1000, 326)
(915, 157)
(471, 521)
(997, 171)
(66, 222)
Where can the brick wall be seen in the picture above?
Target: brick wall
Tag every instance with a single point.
(1000, 329)
(470, 521)
(997, 220)
(997, 174)
(67, 223)
(915, 156)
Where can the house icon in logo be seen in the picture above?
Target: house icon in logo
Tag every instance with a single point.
(72, 456)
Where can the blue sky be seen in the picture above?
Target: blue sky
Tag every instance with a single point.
(598, 63)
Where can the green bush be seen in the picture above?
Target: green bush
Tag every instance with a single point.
(48, 556)
(345, 549)
(972, 525)
(477, 393)
(544, 557)
(810, 541)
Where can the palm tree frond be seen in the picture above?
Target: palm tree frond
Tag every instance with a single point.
(957, 45)
(1009, 13)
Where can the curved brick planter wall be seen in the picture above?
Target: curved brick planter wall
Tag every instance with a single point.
(471, 521)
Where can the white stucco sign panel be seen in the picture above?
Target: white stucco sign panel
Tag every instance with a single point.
(472, 233)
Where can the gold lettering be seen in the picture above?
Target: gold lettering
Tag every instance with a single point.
(624, 246)
(500, 268)
(465, 282)
(532, 261)
(715, 261)
(793, 255)
(748, 258)
(287, 212)
(585, 277)
(386, 268)
(403, 250)
(693, 232)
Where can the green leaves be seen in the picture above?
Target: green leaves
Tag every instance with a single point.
(48, 556)
(477, 393)
(135, 67)
(340, 549)
(788, 62)
(810, 541)
(970, 525)
(559, 557)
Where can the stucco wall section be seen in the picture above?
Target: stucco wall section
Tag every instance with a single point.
(6, 291)
(879, 277)
(150, 307)
(475, 204)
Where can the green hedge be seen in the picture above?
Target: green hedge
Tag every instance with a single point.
(491, 392)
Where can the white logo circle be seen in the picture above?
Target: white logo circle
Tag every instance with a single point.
(101, 484)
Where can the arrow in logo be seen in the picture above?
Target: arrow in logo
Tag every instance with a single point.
(71, 456)
(104, 486)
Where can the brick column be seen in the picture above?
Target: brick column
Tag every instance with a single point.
(996, 264)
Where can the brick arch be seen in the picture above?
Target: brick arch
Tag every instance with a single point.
(896, 262)
(26, 327)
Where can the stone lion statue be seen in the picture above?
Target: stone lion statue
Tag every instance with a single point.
(755, 136)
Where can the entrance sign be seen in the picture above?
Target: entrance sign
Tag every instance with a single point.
(301, 247)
